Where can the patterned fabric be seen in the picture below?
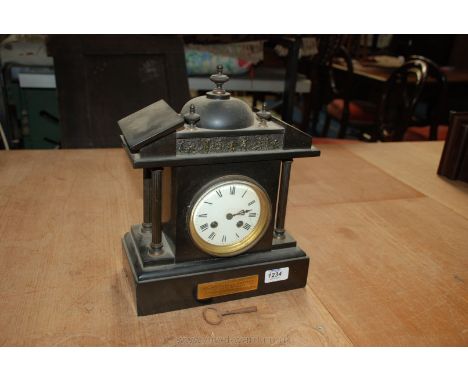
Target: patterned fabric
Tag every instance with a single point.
(251, 51)
(201, 62)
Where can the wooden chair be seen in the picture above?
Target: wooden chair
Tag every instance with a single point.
(317, 70)
(434, 96)
(401, 94)
(340, 106)
(385, 121)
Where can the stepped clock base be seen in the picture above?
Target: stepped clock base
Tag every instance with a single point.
(189, 284)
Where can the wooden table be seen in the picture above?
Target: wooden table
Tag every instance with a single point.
(369, 83)
(388, 241)
(382, 74)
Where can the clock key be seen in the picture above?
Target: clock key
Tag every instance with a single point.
(214, 317)
(248, 309)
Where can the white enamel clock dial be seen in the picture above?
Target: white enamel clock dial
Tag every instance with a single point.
(230, 216)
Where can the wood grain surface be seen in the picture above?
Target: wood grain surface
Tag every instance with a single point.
(387, 239)
(415, 164)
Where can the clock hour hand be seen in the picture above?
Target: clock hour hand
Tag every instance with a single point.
(241, 212)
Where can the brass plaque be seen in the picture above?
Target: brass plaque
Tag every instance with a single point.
(226, 287)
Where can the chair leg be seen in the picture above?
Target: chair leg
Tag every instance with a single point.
(375, 133)
(326, 126)
(316, 101)
(306, 109)
(343, 126)
(254, 100)
(257, 97)
(315, 117)
(399, 134)
(433, 132)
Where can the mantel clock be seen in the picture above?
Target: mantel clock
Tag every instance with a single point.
(215, 185)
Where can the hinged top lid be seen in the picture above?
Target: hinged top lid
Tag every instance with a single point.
(149, 124)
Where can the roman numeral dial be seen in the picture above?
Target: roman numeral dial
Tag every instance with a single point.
(229, 216)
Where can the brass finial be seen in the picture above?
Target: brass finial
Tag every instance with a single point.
(219, 79)
(191, 118)
(263, 115)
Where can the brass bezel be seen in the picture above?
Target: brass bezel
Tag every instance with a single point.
(252, 238)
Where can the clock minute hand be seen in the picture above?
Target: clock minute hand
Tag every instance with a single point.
(241, 212)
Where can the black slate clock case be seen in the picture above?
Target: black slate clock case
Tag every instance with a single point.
(221, 137)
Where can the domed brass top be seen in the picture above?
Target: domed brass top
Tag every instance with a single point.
(218, 110)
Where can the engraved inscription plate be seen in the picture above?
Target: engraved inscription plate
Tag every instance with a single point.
(227, 287)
